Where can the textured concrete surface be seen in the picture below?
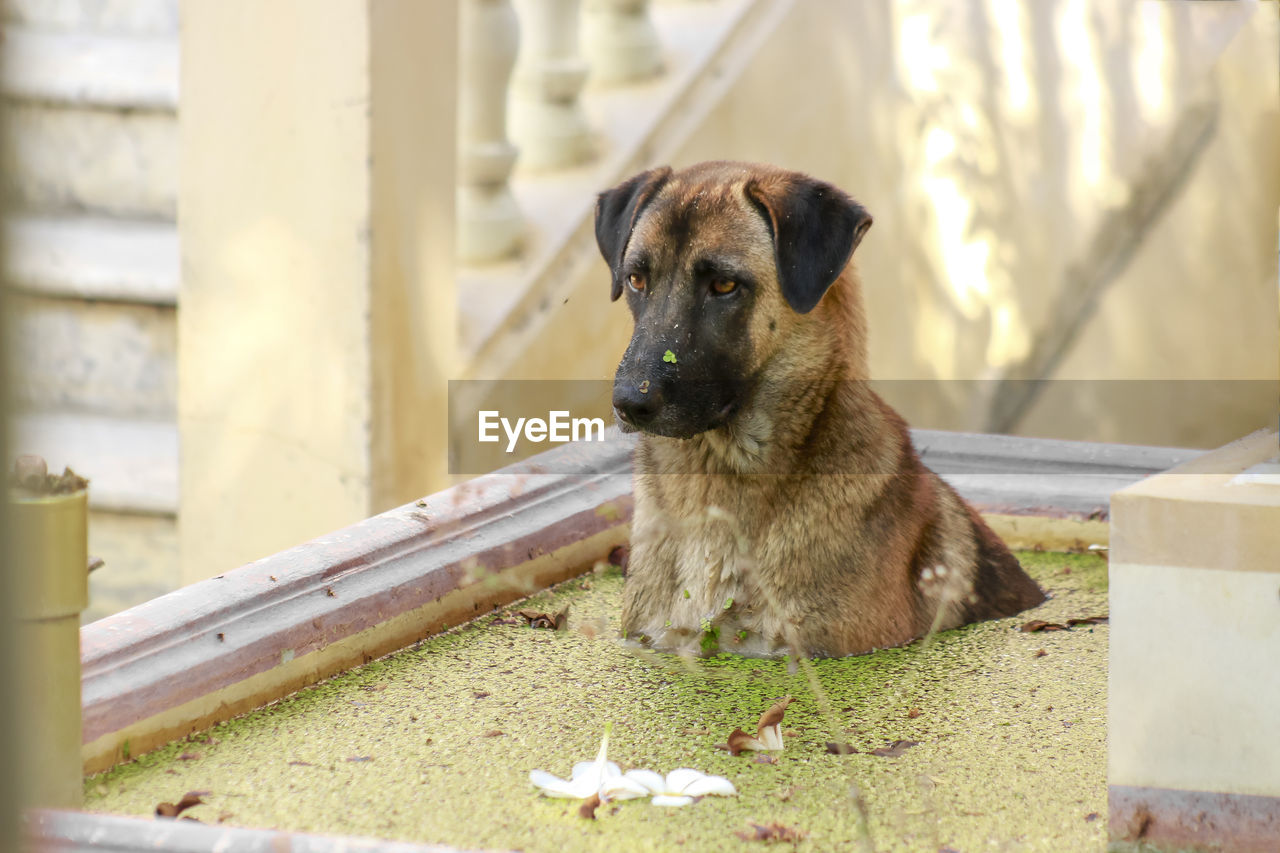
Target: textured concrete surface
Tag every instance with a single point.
(435, 743)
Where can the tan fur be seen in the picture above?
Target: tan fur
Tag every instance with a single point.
(807, 520)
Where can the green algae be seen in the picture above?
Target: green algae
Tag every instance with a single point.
(435, 743)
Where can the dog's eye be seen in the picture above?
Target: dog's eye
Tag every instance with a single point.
(723, 285)
(636, 281)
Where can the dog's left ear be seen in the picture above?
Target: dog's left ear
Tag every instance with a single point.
(616, 213)
(816, 227)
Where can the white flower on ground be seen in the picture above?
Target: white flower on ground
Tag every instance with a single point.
(768, 732)
(679, 788)
(587, 778)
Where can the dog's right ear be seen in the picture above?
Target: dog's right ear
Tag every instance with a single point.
(616, 213)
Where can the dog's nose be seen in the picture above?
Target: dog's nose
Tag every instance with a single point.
(637, 403)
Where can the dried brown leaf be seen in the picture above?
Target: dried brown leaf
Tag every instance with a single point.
(1041, 625)
(548, 621)
(493, 733)
(189, 799)
(894, 749)
(1089, 620)
(589, 806)
(739, 741)
(774, 715)
(913, 713)
(840, 748)
(771, 832)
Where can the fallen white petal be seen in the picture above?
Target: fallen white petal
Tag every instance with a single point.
(623, 788)
(680, 779)
(668, 800)
(772, 737)
(584, 767)
(587, 778)
(554, 786)
(652, 782)
(711, 785)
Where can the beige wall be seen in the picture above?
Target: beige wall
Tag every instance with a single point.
(998, 170)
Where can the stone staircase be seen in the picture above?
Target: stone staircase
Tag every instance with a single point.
(92, 244)
(91, 253)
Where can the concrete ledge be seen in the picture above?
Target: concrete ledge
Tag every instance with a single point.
(1194, 820)
(63, 831)
(224, 646)
(1195, 516)
(1011, 475)
(227, 645)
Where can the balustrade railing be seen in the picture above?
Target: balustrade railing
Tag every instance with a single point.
(523, 67)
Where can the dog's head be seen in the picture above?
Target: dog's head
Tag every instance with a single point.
(718, 263)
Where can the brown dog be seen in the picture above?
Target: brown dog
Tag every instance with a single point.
(779, 503)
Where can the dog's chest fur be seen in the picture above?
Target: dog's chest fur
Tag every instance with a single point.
(738, 556)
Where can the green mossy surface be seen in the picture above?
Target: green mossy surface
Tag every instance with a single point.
(1011, 754)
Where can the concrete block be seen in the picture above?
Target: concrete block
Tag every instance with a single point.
(1194, 702)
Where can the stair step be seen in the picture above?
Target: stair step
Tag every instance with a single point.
(132, 465)
(95, 258)
(90, 159)
(109, 358)
(102, 70)
(118, 16)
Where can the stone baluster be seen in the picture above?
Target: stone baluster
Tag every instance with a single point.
(489, 220)
(546, 117)
(619, 41)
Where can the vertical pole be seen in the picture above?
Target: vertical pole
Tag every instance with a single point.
(50, 518)
(489, 221)
(547, 122)
(10, 703)
(620, 42)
